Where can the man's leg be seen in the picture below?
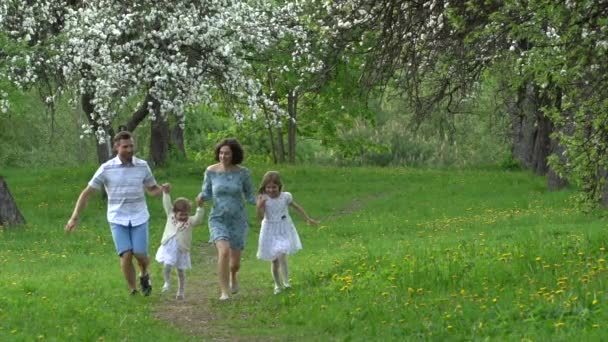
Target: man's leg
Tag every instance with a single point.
(144, 279)
(126, 266)
(124, 248)
(139, 238)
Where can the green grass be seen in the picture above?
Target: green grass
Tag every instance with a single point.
(401, 254)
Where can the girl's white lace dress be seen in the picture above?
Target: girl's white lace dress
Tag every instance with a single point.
(278, 234)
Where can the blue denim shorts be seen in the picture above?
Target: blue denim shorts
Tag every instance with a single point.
(130, 238)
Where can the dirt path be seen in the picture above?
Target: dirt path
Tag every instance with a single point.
(194, 315)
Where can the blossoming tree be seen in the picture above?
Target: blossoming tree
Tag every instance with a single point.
(166, 56)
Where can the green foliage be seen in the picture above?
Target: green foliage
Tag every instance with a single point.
(509, 163)
(31, 135)
(477, 135)
(403, 255)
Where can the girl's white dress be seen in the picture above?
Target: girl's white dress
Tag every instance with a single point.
(175, 245)
(278, 234)
(170, 254)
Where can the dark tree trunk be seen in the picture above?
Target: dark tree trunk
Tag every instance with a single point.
(270, 126)
(280, 144)
(104, 150)
(177, 141)
(9, 213)
(139, 114)
(541, 144)
(292, 110)
(159, 141)
(531, 133)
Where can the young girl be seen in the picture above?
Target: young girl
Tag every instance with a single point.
(177, 238)
(278, 236)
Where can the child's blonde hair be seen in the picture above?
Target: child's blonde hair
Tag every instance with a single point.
(270, 177)
(182, 204)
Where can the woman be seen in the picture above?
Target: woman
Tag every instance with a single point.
(229, 186)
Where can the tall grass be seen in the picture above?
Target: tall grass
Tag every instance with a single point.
(401, 254)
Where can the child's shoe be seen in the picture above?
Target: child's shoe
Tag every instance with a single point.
(166, 287)
(180, 295)
(286, 285)
(224, 297)
(277, 290)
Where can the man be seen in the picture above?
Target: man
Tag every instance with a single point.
(124, 178)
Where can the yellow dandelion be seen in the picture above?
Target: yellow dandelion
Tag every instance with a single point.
(595, 301)
(560, 324)
(538, 258)
(595, 325)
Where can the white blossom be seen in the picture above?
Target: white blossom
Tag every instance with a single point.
(182, 53)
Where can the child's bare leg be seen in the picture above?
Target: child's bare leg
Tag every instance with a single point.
(274, 269)
(167, 276)
(284, 269)
(181, 283)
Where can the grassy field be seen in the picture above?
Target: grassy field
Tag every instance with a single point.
(401, 254)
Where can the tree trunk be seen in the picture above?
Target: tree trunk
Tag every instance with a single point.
(159, 141)
(177, 141)
(280, 144)
(278, 152)
(104, 150)
(9, 213)
(531, 132)
(270, 126)
(541, 144)
(292, 108)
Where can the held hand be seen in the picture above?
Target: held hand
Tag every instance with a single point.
(166, 188)
(261, 202)
(71, 225)
(200, 201)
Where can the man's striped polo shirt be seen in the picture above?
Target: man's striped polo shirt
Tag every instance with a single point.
(125, 185)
